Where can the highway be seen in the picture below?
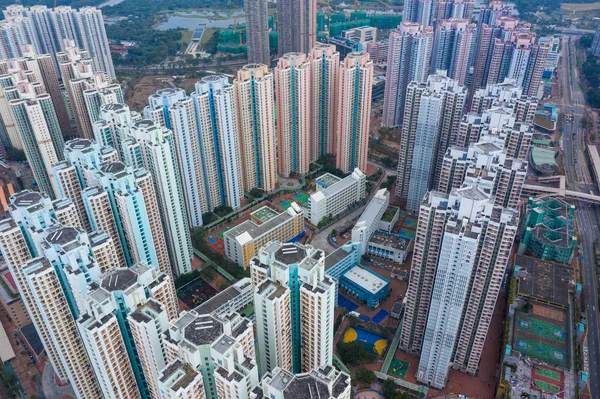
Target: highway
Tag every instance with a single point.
(578, 179)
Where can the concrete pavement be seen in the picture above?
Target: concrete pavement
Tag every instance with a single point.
(49, 387)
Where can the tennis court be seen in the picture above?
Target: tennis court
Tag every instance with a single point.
(301, 198)
(398, 368)
(546, 386)
(542, 329)
(378, 318)
(284, 205)
(543, 351)
(548, 380)
(548, 373)
(344, 302)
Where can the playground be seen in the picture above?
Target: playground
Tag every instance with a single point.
(374, 343)
(196, 292)
(548, 380)
(216, 242)
(398, 368)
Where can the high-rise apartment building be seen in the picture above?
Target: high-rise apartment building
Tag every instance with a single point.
(256, 121)
(431, 124)
(296, 26)
(107, 334)
(294, 274)
(47, 29)
(507, 95)
(39, 133)
(447, 9)
(325, 63)
(220, 347)
(221, 166)
(409, 54)
(475, 219)
(157, 148)
(420, 11)
(86, 88)
(44, 71)
(180, 381)
(294, 116)
(354, 112)
(595, 49)
(452, 47)
(257, 32)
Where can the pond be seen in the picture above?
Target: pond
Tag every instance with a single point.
(207, 19)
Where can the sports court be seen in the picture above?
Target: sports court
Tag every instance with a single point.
(301, 198)
(540, 328)
(374, 343)
(398, 368)
(543, 351)
(196, 292)
(406, 226)
(548, 380)
(263, 214)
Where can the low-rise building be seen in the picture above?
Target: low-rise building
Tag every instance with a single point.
(340, 261)
(243, 241)
(389, 218)
(370, 219)
(336, 198)
(389, 246)
(550, 230)
(365, 285)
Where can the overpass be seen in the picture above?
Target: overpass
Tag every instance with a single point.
(560, 191)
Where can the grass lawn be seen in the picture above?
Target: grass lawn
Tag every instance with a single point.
(207, 34)
(186, 36)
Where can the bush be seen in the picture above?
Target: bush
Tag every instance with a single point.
(223, 210)
(209, 217)
(13, 154)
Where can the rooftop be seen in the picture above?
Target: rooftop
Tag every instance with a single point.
(545, 280)
(26, 198)
(390, 240)
(250, 230)
(220, 299)
(339, 185)
(119, 279)
(204, 330)
(290, 254)
(366, 279)
(60, 235)
(336, 256)
(327, 179)
(380, 200)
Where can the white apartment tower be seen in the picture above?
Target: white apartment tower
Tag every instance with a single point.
(297, 271)
(158, 156)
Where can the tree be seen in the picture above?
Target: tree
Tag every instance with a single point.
(388, 162)
(223, 210)
(365, 376)
(389, 390)
(354, 353)
(14, 154)
(256, 193)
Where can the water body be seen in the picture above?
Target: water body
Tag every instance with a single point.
(110, 3)
(206, 19)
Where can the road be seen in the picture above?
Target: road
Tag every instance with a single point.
(321, 240)
(578, 178)
(51, 390)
